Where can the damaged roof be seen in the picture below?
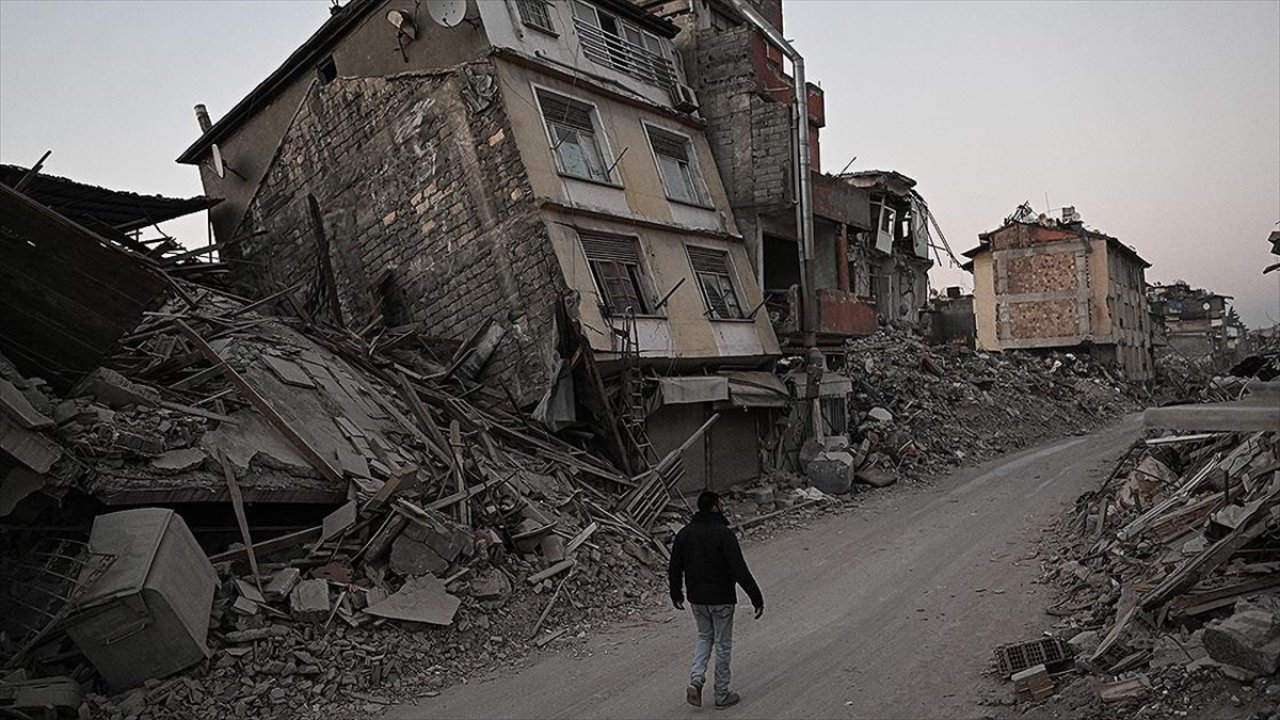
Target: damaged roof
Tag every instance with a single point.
(92, 205)
(322, 42)
(984, 241)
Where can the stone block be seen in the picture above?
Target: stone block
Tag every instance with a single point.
(414, 557)
(832, 472)
(1249, 639)
(309, 601)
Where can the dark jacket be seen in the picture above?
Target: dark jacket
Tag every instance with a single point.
(706, 556)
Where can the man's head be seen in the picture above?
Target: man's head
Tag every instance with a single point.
(709, 501)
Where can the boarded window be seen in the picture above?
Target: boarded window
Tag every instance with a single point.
(536, 14)
(679, 169)
(574, 136)
(618, 274)
(711, 267)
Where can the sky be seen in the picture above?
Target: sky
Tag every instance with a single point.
(1159, 122)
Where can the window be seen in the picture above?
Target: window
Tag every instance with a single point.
(678, 167)
(711, 267)
(327, 70)
(574, 136)
(615, 43)
(615, 267)
(536, 14)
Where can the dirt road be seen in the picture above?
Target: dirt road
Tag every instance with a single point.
(887, 611)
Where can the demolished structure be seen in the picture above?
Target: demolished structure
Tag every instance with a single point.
(1043, 283)
(532, 175)
(1199, 325)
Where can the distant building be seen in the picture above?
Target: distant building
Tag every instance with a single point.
(1041, 283)
(1196, 323)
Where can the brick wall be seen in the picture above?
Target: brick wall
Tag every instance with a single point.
(1046, 319)
(1041, 273)
(423, 192)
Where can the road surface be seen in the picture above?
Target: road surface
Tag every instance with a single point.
(890, 610)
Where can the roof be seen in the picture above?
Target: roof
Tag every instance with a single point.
(984, 242)
(299, 61)
(93, 206)
(322, 42)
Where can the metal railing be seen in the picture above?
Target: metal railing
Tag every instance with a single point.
(624, 56)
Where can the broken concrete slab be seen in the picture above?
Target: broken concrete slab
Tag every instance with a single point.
(414, 557)
(1249, 639)
(879, 414)
(281, 583)
(288, 372)
(420, 599)
(309, 601)
(116, 391)
(30, 448)
(445, 537)
(492, 585)
(179, 460)
(16, 405)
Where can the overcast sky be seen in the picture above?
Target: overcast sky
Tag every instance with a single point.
(1159, 122)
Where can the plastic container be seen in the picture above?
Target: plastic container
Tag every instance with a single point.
(148, 615)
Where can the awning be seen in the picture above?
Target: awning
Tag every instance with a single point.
(757, 389)
(693, 389)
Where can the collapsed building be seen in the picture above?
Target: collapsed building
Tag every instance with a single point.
(1043, 283)
(870, 245)
(1195, 323)
(532, 174)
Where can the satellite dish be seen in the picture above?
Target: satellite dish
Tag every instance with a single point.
(218, 166)
(447, 13)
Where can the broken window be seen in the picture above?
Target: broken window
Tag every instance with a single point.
(618, 274)
(536, 14)
(678, 167)
(712, 269)
(574, 134)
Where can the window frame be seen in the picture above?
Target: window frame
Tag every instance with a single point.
(731, 275)
(641, 281)
(549, 28)
(698, 180)
(607, 160)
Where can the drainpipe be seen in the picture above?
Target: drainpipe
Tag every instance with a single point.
(804, 206)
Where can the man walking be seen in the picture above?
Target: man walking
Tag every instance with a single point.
(707, 560)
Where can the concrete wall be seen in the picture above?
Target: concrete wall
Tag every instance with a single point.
(369, 50)
(984, 302)
(421, 194)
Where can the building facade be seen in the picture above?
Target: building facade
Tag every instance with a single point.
(533, 164)
(1050, 284)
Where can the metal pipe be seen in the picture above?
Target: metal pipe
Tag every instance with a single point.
(804, 184)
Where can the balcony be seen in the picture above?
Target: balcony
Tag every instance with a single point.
(840, 314)
(626, 57)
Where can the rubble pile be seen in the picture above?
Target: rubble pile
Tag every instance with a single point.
(1171, 578)
(923, 409)
(464, 536)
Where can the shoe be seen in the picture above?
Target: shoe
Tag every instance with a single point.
(730, 699)
(693, 695)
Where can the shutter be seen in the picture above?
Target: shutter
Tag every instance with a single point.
(563, 111)
(606, 247)
(709, 261)
(669, 145)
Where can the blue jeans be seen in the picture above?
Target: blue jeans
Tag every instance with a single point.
(715, 627)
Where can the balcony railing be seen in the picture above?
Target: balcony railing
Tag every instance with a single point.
(624, 56)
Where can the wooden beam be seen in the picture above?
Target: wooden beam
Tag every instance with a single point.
(237, 504)
(309, 453)
(274, 545)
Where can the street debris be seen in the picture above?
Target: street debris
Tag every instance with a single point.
(1170, 576)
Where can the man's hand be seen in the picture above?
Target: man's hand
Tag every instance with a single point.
(759, 612)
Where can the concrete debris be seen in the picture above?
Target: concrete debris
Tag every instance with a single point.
(1167, 570)
(309, 601)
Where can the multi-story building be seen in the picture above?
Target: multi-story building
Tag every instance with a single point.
(1195, 323)
(1042, 283)
(536, 165)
